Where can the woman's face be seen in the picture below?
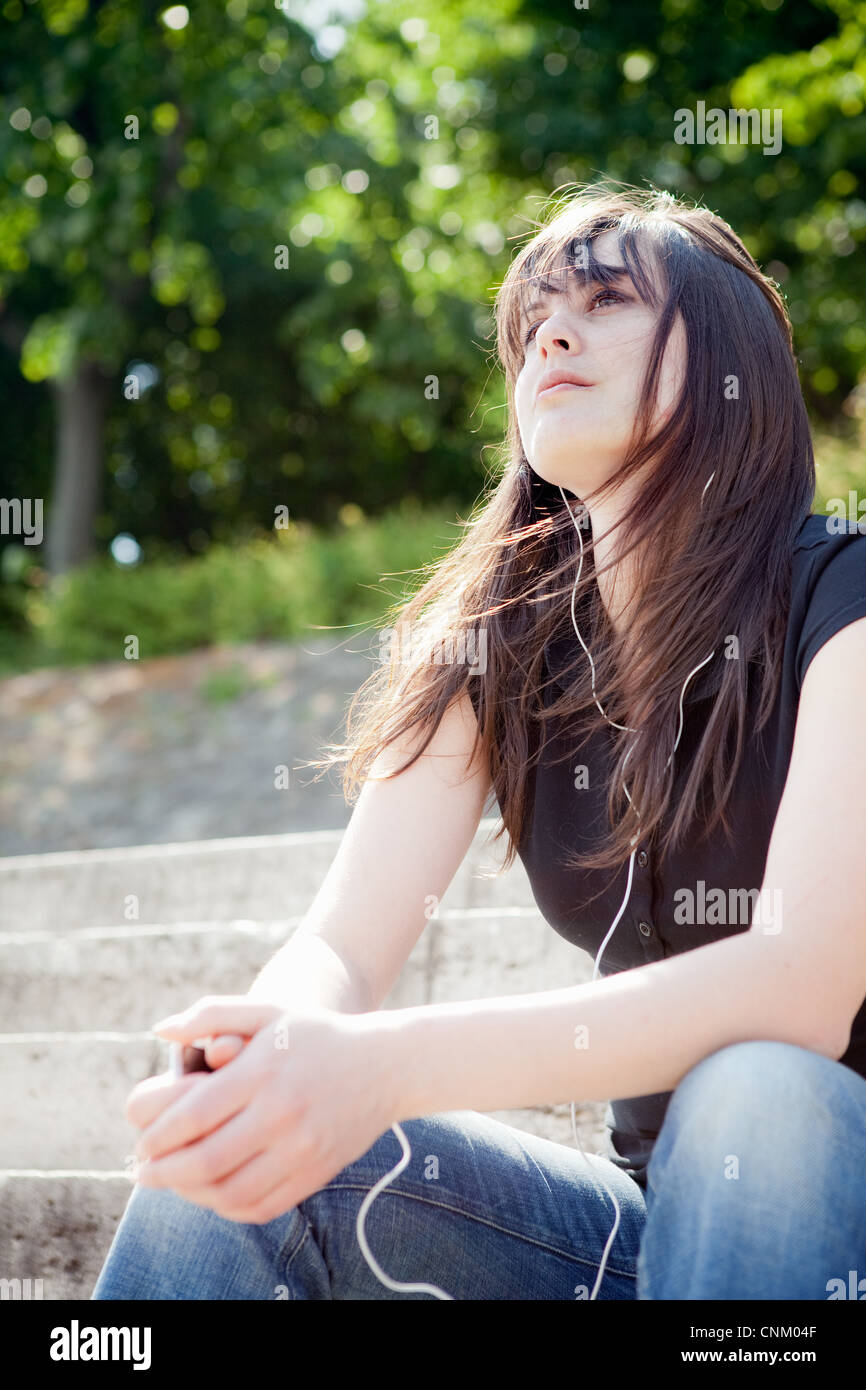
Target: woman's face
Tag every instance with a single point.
(573, 435)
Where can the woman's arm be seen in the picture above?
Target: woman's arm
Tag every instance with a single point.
(308, 970)
(405, 840)
(645, 1028)
(632, 1034)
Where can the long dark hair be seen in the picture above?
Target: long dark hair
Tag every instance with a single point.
(710, 565)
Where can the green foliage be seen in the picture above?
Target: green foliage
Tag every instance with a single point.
(304, 247)
(839, 456)
(285, 587)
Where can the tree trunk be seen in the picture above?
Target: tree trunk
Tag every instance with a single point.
(80, 404)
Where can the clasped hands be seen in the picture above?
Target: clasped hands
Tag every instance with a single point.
(295, 1096)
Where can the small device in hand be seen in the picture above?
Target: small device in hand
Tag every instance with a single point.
(184, 1059)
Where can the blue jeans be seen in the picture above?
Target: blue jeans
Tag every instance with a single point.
(755, 1190)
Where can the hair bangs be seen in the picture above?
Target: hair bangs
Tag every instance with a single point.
(563, 252)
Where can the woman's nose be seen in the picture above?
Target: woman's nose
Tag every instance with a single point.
(556, 334)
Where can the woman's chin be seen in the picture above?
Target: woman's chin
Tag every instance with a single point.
(558, 473)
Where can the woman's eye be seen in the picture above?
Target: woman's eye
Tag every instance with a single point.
(608, 294)
(596, 299)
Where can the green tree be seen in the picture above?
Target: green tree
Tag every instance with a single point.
(397, 171)
(132, 152)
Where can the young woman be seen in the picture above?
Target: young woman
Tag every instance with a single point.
(669, 711)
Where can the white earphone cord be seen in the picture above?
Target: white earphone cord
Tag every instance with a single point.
(383, 1182)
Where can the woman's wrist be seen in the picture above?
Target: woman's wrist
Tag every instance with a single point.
(388, 1039)
(402, 1061)
(306, 973)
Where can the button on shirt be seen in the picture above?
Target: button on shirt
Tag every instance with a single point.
(702, 892)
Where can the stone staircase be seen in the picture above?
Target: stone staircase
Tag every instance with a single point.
(94, 945)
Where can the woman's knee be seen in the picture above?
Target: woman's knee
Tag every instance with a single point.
(168, 1247)
(755, 1078)
(754, 1186)
(750, 1096)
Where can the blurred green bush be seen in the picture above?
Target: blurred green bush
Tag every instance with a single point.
(270, 589)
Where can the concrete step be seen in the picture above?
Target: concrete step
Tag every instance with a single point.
(124, 977)
(58, 1227)
(260, 878)
(64, 1093)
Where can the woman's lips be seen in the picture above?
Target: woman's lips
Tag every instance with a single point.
(562, 386)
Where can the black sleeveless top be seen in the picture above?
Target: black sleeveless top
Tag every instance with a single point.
(672, 908)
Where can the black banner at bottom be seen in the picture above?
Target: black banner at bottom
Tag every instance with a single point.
(82, 1338)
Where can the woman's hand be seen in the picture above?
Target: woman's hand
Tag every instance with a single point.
(310, 1092)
